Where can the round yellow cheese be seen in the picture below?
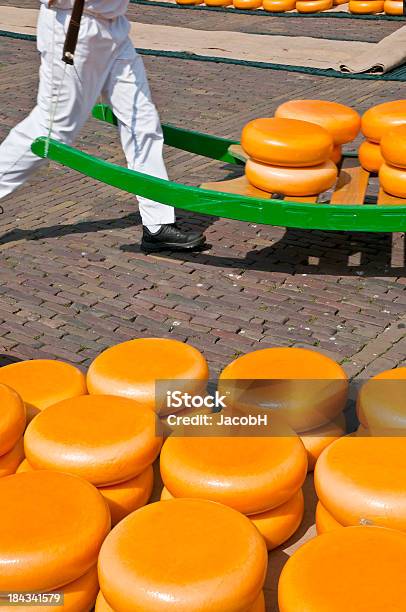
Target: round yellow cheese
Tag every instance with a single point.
(306, 387)
(313, 6)
(342, 122)
(102, 438)
(278, 6)
(361, 480)
(12, 418)
(251, 475)
(393, 180)
(43, 382)
(51, 528)
(381, 401)
(221, 559)
(393, 7)
(393, 146)
(353, 569)
(370, 156)
(135, 368)
(381, 118)
(366, 7)
(291, 181)
(288, 143)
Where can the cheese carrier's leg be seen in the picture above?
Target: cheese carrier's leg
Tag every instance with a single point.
(78, 87)
(127, 91)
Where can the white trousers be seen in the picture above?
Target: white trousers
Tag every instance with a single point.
(106, 65)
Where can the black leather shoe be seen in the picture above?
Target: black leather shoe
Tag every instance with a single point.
(170, 237)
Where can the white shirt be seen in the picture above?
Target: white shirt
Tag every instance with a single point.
(109, 9)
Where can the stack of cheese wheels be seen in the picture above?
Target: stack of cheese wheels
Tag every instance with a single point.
(12, 425)
(185, 555)
(278, 6)
(260, 477)
(109, 441)
(307, 388)
(288, 156)
(392, 174)
(145, 369)
(358, 569)
(341, 122)
(313, 6)
(52, 526)
(381, 403)
(394, 7)
(247, 4)
(361, 480)
(43, 382)
(375, 123)
(366, 7)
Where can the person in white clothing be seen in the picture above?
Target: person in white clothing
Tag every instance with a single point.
(105, 64)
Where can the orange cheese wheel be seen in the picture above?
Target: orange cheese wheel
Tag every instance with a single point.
(306, 387)
(102, 438)
(103, 606)
(342, 122)
(393, 146)
(12, 418)
(278, 6)
(218, 2)
(133, 368)
(43, 382)
(316, 440)
(11, 460)
(249, 474)
(325, 521)
(381, 401)
(221, 559)
(370, 156)
(189, 2)
(291, 181)
(128, 496)
(339, 2)
(362, 480)
(78, 596)
(276, 525)
(337, 154)
(379, 119)
(279, 524)
(122, 498)
(247, 4)
(393, 7)
(313, 6)
(393, 180)
(365, 7)
(286, 142)
(51, 528)
(358, 569)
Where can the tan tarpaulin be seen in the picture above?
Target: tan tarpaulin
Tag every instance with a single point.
(349, 56)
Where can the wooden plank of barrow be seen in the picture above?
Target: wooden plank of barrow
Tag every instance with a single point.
(352, 184)
(238, 186)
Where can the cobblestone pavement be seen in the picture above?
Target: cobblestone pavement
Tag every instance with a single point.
(73, 280)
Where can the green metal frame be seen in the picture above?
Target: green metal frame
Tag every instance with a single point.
(357, 217)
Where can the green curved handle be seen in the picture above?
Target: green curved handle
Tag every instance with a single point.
(368, 218)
